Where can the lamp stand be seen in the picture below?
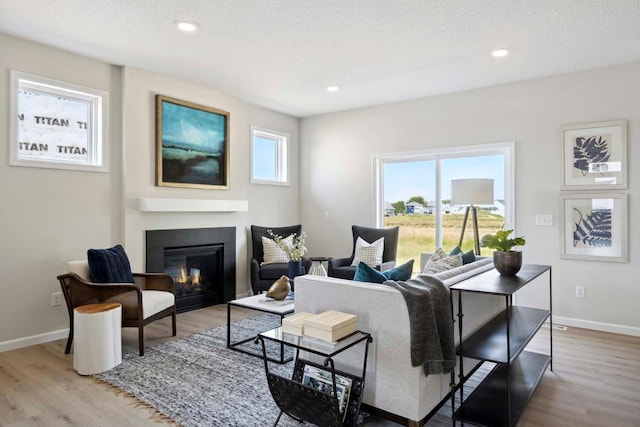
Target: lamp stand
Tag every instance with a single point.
(476, 235)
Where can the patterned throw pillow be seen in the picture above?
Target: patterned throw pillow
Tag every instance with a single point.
(272, 253)
(440, 262)
(369, 253)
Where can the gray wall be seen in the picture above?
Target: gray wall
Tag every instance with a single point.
(52, 216)
(337, 173)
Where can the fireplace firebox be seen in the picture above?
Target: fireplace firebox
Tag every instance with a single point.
(201, 261)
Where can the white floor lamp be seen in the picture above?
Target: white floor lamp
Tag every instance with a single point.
(471, 192)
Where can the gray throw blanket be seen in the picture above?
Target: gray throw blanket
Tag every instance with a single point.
(431, 323)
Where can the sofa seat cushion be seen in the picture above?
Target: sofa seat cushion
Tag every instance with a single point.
(155, 301)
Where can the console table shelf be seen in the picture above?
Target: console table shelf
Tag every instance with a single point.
(487, 404)
(503, 394)
(488, 342)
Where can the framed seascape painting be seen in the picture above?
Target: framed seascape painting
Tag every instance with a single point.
(192, 145)
(594, 156)
(595, 227)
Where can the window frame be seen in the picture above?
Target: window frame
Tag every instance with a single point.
(281, 158)
(507, 149)
(97, 102)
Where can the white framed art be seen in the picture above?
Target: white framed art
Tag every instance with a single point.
(594, 227)
(594, 156)
(55, 124)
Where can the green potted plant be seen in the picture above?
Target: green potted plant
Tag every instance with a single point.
(507, 261)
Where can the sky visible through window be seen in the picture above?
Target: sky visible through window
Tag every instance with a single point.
(404, 180)
(264, 158)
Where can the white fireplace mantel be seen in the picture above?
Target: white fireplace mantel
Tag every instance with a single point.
(192, 205)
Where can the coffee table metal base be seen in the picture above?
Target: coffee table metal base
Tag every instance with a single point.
(252, 303)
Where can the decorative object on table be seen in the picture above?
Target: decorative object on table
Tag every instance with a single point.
(471, 192)
(330, 325)
(594, 156)
(280, 289)
(317, 269)
(344, 268)
(294, 324)
(192, 145)
(594, 227)
(507, 261)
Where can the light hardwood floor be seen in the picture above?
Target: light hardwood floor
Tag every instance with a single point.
(595, 382)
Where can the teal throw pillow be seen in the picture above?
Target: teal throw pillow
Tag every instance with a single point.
(467, 257)
(365, 273)
(401, 272)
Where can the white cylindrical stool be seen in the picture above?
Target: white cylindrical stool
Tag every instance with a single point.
(96, 335)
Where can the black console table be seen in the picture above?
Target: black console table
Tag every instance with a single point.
(502, 396)
(305, 403)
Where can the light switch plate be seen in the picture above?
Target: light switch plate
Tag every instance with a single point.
(544, 219)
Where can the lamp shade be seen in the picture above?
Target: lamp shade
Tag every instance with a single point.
(477, 191)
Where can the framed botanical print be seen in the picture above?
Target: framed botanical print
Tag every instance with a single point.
(594, 156)
(595, 227)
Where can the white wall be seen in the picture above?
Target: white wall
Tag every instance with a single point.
(52, 216)
(336, 171)
(268, 205)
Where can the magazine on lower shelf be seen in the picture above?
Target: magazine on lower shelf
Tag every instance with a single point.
(321, 380)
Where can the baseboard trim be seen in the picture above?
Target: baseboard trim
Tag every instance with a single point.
(34, 340)
(597, 326)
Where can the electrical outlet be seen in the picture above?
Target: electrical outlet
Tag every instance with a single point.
(580, 291)
(56, 298)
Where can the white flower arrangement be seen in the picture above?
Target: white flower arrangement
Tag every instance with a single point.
(296, 250)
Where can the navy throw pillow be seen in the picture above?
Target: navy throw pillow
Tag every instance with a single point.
(365, 273)
(109, 265)
(467, 257)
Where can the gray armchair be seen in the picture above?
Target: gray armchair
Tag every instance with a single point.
(342, 268)
(263, 276)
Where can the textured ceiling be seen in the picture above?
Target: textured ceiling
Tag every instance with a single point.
(282, 54)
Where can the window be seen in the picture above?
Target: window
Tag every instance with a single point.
(413, 191)
(56, 124)
(269, 157)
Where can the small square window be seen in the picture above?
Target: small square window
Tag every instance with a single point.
(269, 157)
(56, 124)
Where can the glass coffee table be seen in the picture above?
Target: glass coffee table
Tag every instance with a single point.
(262, 304)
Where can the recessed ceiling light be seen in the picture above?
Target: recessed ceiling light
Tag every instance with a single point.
(333, 88)
(188, 27)
(498, 53)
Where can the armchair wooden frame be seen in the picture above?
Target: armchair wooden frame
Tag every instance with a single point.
(78, 291)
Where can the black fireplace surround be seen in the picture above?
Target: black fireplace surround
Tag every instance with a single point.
(202, 262)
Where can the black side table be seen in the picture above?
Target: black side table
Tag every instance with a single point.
(304, 403)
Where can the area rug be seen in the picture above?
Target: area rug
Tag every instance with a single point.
(197, 381)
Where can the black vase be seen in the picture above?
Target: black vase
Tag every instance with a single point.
(508, 263)
(295, 269)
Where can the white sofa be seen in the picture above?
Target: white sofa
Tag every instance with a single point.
(392, 385)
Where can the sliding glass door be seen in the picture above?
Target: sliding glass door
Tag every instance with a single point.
(414, 191)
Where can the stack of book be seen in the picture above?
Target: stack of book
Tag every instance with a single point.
(294, 324)
(330, 325)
